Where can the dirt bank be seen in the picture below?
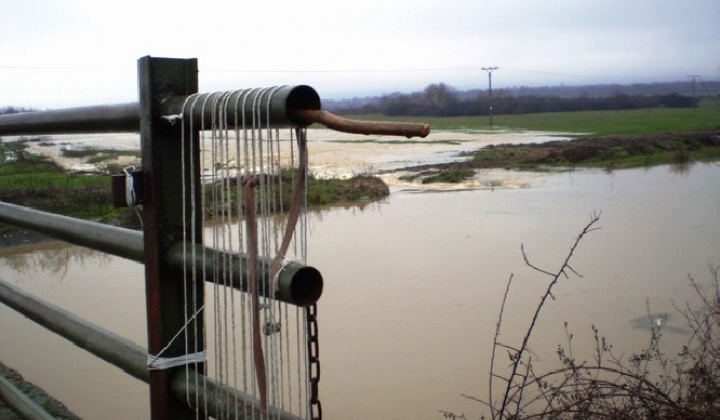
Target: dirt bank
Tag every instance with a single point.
(36, 394)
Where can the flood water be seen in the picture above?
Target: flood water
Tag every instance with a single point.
(413, 286)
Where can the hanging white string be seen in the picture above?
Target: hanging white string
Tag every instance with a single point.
(233, 146)
(186, 141)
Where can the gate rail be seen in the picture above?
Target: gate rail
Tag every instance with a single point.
(297, 284)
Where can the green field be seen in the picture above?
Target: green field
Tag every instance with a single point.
(597, 123)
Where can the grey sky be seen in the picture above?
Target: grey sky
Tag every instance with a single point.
(56, 54)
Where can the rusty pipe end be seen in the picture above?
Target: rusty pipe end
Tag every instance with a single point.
(306, 286)
(298, 98)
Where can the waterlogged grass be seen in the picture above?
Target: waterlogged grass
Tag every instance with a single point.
(612, 152)
(609, 153)
(360, 188)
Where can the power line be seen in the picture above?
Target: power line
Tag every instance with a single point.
(331, 71)
(389, 70)
(221, 70)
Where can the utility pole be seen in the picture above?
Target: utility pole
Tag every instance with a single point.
(693, 77)
(489, 71)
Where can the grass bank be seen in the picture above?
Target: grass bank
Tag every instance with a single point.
(610, 152)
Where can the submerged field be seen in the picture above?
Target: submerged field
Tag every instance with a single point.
(607, 139)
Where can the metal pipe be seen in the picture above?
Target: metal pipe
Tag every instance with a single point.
(275, 106)
(113, 240)
(132, 358)
(90, 119)
(221, 401)
(278, 103)
(21, 403)
(297, 284)
(104, 344)
(283, 106)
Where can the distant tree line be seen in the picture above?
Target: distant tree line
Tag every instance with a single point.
(707, 89)
(14, 110)
(442, 100)
(604, 90)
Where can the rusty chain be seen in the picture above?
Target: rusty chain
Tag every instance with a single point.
(315, 409)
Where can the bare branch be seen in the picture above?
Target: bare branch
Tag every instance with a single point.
(517, 362)
(496, 343)
(529, 264)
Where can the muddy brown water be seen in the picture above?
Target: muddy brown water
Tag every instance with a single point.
(413, 286)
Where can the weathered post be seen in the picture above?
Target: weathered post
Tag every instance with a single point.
(160, 79)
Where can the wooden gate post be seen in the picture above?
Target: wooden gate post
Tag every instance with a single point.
(158, 80)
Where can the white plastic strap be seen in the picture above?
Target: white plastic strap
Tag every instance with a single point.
(129, 187)
(173, 118)
(162, 363)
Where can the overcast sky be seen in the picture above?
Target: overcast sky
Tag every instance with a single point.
(65, 53)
